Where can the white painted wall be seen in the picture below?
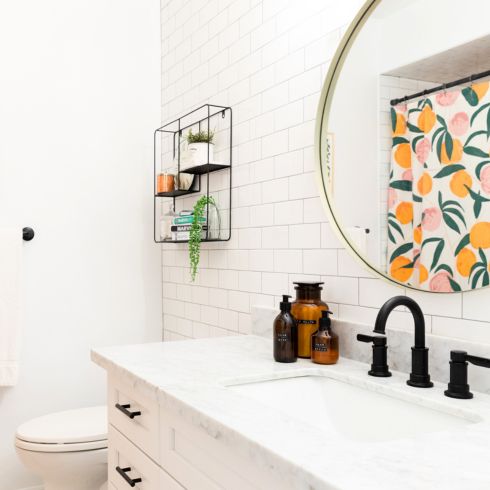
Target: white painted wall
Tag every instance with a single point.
(79, 98)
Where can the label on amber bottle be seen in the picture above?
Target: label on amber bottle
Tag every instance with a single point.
(306, 322)
(320, 347)
(282, 337)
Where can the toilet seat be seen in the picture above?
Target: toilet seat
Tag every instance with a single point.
(60, 448)
(83, 429)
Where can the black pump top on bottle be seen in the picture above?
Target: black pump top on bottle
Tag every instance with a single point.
(325, 322)
(285, 305)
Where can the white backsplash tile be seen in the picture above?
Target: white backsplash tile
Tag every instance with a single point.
(473, 331)
(261, 260)
(438, 304)
(288, 212)
(272, 282)
(320, 261)
(373, 292)
(349, 266)
(250, 281)
(288, 261)
(304, 236)
(476, 305)
(341, 289)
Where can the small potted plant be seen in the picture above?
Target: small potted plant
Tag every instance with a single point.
(201, 146)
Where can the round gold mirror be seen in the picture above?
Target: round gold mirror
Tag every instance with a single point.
(403, 142)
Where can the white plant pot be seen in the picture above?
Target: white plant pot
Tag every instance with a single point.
(198, 153)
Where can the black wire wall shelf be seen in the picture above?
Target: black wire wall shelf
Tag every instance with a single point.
(187, 241)
(177, 193)
(205, 168)
(168, 140)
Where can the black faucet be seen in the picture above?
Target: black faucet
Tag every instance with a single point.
(458, 373)
(419, 377)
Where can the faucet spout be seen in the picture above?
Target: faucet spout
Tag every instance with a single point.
(419, 377)
(418, 317)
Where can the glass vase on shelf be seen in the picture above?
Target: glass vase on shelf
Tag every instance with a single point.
(166, 222)
(214, 221)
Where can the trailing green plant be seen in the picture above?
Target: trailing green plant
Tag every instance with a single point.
(200, 137)
(196, 231)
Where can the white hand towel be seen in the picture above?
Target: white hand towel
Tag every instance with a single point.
(10, 304)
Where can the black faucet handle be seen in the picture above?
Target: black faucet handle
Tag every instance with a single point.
(458, 386)
(478, 361)
(379, 367)
(375, 339)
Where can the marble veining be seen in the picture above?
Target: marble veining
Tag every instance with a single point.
(193, 377)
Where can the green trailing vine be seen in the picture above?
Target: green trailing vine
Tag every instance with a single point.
(195, 233)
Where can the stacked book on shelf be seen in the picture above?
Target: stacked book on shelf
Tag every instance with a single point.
(181, 227)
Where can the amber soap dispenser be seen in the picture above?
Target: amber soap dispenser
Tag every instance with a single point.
(307, 310)
(324, 342)
(285, 334)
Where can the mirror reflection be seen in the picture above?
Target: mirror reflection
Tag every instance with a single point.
(408, 134)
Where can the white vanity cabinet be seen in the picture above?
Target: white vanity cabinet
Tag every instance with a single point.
(157, 446)
(134, 441)
(219, 414)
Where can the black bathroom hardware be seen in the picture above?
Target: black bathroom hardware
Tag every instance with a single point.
(444, 86)
(458, 386)
(27, 234)
(379, 367)
(130, 481)
(199, 119)
(125, 410)
(419, 377)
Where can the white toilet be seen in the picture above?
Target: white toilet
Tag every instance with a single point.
(68, 450)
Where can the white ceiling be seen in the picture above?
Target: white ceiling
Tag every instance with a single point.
(455, 63)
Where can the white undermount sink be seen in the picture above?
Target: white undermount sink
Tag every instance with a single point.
(348, 411)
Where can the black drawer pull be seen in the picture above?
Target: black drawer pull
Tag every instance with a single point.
(130, 481)
(125, 411)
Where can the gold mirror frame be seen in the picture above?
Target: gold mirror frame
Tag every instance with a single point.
(321, 131)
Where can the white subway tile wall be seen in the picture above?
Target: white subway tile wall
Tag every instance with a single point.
(267, 59)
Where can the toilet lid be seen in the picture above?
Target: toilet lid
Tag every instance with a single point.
(68, 427)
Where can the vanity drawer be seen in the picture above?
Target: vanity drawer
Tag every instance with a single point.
(135, 416)
(123, 455)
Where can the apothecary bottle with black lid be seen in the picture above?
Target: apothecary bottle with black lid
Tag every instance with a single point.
(307, 310)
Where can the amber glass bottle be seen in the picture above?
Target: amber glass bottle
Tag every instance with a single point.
(324, 342)
(285, 334)
(307, 310)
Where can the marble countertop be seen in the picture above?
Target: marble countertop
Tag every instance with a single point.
(192, 377)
